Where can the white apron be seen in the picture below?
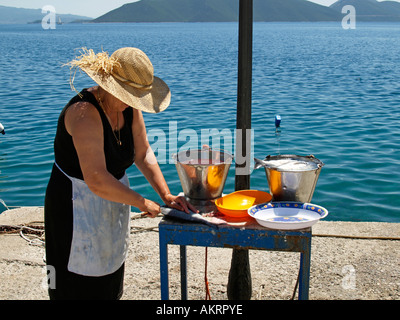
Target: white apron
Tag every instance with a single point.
(100, 231)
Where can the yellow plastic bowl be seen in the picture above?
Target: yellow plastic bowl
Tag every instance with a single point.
(236, 204)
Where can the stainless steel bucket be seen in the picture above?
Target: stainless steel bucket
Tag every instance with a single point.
(291, 177)
(203, 173)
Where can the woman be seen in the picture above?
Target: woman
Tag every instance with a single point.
(100, 134)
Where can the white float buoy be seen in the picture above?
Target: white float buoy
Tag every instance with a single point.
(2, 129)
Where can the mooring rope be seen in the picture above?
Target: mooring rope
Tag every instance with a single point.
(356, 237)
(208, 295)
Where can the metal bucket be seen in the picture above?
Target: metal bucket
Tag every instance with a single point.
(202, 173)
(291, 177)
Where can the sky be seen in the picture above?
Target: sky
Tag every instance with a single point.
(89, 8)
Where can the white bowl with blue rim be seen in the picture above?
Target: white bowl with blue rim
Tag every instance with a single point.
(287, 215)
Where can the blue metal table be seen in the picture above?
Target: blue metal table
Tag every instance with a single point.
(250, 237)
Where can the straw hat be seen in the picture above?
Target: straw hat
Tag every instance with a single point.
(128, 75)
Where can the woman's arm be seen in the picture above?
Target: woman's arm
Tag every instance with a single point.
(147, 163)
(84, 124)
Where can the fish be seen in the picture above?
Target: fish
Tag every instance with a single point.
(191, 216)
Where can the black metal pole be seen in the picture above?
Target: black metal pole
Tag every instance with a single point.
(245, 66)
(239, 282)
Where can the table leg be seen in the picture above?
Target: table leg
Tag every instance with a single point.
(164, 270)
(304, 280)
(183, 259)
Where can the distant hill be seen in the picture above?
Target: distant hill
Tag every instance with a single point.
(372, 10)
(11, 15)
(218, 11)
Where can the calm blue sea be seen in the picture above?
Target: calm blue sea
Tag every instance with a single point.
(337, 91)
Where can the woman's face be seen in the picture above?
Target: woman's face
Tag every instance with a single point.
(119, 105)
(114, 103)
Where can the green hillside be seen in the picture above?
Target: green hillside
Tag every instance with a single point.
(218, 11)
(371, 10)
(11, 15)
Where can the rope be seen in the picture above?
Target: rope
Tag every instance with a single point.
(141, 229)
(8, 229)
(296, 286)
(208, 295)
(357, 237)
(36, 241)
(36, 232)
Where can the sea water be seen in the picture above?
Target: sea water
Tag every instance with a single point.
(337, 91)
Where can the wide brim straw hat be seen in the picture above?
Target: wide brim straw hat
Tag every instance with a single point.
(128, 75)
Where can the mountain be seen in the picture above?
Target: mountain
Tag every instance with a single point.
(292, 10)
(218, 11)
(371, 10)
(11, 15)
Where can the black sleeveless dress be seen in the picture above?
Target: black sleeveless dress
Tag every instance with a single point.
(64, 284)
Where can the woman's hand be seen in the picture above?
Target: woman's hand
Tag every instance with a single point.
(179, 203)
(151, 209)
